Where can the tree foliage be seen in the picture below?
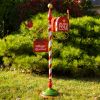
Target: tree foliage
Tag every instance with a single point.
(13, 12)
(8, 16)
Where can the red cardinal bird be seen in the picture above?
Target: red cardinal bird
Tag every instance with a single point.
(29, 24)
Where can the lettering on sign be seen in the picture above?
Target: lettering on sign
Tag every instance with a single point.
(40, 45)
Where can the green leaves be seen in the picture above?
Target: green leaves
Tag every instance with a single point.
(3, 47)
(74, 52)
(97, 59)
(70, 52)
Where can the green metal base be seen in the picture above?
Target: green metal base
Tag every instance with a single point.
(49, 92)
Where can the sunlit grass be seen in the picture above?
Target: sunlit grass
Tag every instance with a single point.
(15, 85)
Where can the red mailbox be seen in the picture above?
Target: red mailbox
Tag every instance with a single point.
(60, 24)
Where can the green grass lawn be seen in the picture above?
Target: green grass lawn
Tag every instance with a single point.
(18, 86)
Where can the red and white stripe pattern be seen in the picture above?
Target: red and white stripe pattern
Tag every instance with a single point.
(50, 48)
(56, 23)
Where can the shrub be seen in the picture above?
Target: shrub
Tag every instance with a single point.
(57, 65)
(74, 53)
(7, 61)
(2, 47)
(97, 59)
(71, 53)
(97, 64)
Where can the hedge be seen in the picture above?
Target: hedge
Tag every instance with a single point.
(76, 53)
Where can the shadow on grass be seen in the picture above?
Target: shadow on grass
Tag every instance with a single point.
(87, 79)
(58, 77)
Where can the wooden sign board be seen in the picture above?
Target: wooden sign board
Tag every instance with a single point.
(40, 45)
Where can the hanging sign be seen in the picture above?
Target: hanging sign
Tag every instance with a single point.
(40, 45)
(62, 24)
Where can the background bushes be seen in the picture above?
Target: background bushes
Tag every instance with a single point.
(75, 53)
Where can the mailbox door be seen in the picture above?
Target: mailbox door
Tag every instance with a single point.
(62, 24)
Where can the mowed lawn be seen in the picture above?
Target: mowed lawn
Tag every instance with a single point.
(19, 86)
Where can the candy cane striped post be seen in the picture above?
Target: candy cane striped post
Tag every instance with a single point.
(50, 46)
(50, 92)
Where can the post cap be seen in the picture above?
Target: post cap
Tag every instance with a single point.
(50, 6)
